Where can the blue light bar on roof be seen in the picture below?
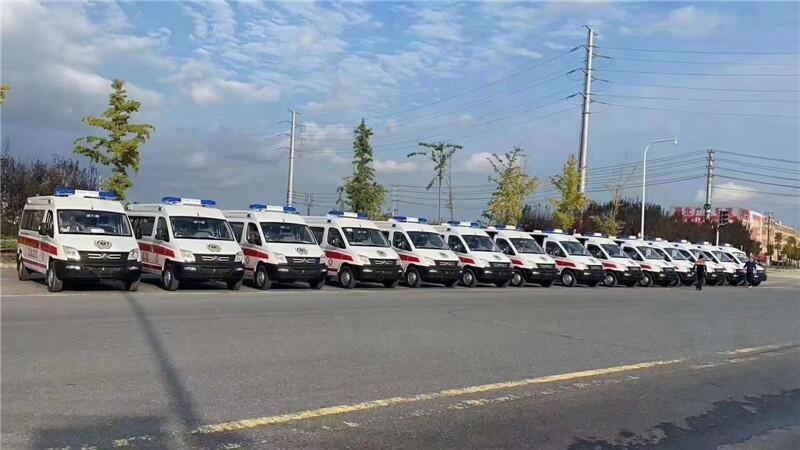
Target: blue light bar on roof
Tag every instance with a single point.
(410, 219)
(506, 227)
(347, 214)
(596, 234)
(70, 192)
(274, 208)
(463, 223)
(188, 201)
(555, 230)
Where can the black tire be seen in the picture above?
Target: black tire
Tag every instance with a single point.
(630, 283)
(592, 283)
(412, 277)
(391, 284)
(452, 283)
(317, 285)
(261, 278)
(687, 282)
(610, 280)
(22, 272)
(674, 283)
(646, 280)
(54, 284)
(502, 284)
(568, 278)
(517, 278)
(131, 285)
(547, 283)
(346, 278)
(234, 285)
(168, 280)
(468, 277)
(756, 283)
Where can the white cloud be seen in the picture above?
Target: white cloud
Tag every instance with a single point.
(437, 25)
(392, 166)
(478, 162)
(730, 194)
(683, 22)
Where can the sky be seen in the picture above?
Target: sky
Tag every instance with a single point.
(217, 80)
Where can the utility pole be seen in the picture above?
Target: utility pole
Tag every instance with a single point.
(769, 229)
(309, 198)
(394, 200)
(290, 188)
(587, 101)
(709, 183)
(450, 188)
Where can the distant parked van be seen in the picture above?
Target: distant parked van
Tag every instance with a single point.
(575, 264)
(530, 263)
(482, 260)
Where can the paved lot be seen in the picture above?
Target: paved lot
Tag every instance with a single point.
(90, 367)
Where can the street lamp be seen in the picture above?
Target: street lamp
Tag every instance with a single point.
(644, 177)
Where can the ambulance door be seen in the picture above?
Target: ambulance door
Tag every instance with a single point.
(160, 250)
(47, 243)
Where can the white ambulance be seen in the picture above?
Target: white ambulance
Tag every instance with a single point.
(356, 249)
(186, 239)
(77, 235)
(619, 267)
(530, 263)
(424, 255)
(741, 257)
(481, 260)
(683, 266)
(715, 274)
(655, 269)
(575, 264)
(278, 246)
(734, 272)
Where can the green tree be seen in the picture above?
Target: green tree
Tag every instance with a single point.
(120, 149)
(363, 193)
(4, 89)
(572, 203)
(778, 240)
(441, 155)
(514, 186)
(608, 222)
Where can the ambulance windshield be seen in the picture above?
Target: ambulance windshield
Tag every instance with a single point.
(365, 237)
(525, 245)
(289, 233)
(478, 243)
(78, 221)
(426, 239)
(201, 228)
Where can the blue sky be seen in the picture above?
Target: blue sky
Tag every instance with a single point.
(216, 80)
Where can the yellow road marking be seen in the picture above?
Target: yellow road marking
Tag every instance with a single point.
(762, 348)
(364, 406)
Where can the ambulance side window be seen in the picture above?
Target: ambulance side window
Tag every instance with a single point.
(162, 233)
(252, 234)
(318, 233)
(386, 235)
(335, 238)
(238, 228)
(553, 249)
(48, 222)
(631, 253)
(455, 244)
(31, 219)
(399, 241)
(505, 247)
(595, 251)
(144, 225)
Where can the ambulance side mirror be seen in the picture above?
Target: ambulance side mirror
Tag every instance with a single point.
(43, 229)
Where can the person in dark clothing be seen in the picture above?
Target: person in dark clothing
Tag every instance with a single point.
(700, 271)
(750, 269)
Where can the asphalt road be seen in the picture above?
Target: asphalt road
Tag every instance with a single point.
(430, 367)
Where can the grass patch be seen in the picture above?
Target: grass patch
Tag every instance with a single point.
(8, 244)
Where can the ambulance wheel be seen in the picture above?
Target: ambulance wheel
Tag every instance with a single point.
(468, 278)
(261, 278)
(413, 279)
(610, 280)
(22, 272)
(234, 285)
(646, 281)
(131, 285)
(517, 278)
(319, 284)
(54, 284)
(451, 284)
(346, 278)
(674, 283)
(391, 284)
(547, 283)
(568, 278)
(687, 281)
(168, 280)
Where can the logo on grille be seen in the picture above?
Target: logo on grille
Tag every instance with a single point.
(496, 256)
(381, 253)
(102, 244)
(301, 251)
(213, 247)
(212, 258)
(443, 254)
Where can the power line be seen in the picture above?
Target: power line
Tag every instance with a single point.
(693, 99)
(701, 52)
(759, 182)
(752, 191)
(732, 63)
(711, 113)
(759, 174)
(704, 74)
(759, 166)
(745, 155)
(698, 88)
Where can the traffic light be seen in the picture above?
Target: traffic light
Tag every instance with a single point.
(723, 218)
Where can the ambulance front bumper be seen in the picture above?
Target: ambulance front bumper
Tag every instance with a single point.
(540, 274)
(490, 275)
(735, 277)
(714, 275)
(439, 274)
(628, 275)
(199, 271)
(377, 273)
(687, 276)
(289, 273)
(83, 270)
(590, 275)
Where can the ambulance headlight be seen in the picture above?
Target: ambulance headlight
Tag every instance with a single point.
(187, 255)
(397, 261)
(323, 260)
(280, 258)
(364, 260)
(134, 255)
(428, 261)
(483, 262)
(239, 257)
(71, 253)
